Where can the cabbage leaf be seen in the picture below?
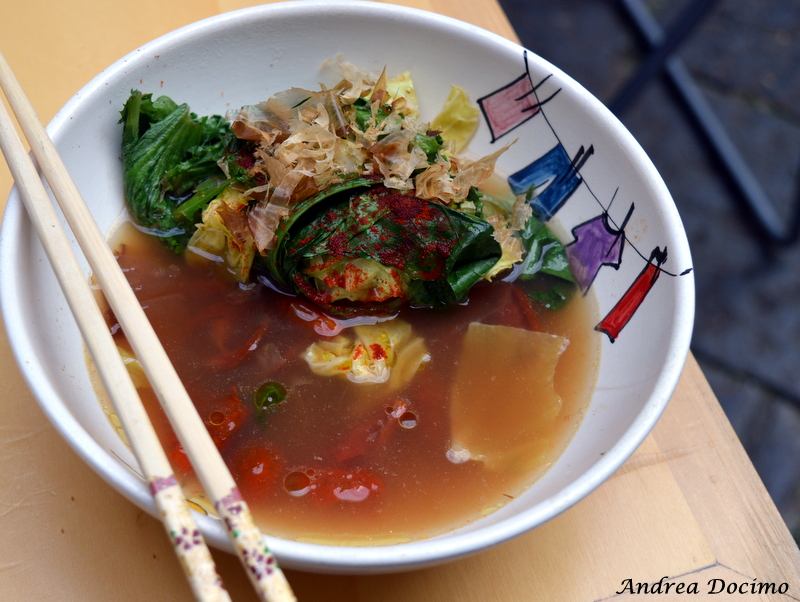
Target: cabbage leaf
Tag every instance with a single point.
(218, 236)
(458, 119)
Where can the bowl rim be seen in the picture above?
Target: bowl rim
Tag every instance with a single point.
(325, 557)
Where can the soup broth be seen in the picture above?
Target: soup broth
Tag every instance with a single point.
(325, 459)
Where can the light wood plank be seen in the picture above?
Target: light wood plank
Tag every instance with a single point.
(56, 47)
(721, 486)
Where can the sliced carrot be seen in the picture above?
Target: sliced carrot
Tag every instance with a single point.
(256, 470)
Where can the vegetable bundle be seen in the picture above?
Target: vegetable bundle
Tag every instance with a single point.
(342, 195)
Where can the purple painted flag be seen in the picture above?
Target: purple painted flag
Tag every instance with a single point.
(597, 243)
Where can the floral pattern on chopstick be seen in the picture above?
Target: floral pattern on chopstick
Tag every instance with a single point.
(261, 564)
(187, 540)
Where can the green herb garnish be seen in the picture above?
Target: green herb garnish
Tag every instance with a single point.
(269, 396)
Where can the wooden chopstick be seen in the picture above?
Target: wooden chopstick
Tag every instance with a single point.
(260, 564)
(195, 558)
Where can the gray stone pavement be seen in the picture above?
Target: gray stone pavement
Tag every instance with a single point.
(745, 57)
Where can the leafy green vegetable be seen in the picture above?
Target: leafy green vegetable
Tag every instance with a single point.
(364, 113)
(204, 193)
(275, 261)
(554, 294)
(473, 204)
(438, 251)
(545, 253)
(168, 153)
(547, 261)
(431, 145)
(355, 247)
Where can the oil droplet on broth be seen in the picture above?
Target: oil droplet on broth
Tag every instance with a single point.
(216, 418)
(408, 420)
(297, 483)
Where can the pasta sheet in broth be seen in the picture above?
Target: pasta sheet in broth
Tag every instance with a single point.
(485, 426)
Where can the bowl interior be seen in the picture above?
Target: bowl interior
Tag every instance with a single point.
(596, 181)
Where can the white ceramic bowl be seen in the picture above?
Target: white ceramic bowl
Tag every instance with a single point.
(245, 56)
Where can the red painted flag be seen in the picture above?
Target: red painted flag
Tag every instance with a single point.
(623, 311)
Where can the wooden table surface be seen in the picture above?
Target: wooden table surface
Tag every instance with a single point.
(687, 506)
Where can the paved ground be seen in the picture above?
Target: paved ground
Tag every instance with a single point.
(744, 55)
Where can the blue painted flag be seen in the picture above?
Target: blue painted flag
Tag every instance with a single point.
(550, 180)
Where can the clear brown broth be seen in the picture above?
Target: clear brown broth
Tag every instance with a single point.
(226, 339)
